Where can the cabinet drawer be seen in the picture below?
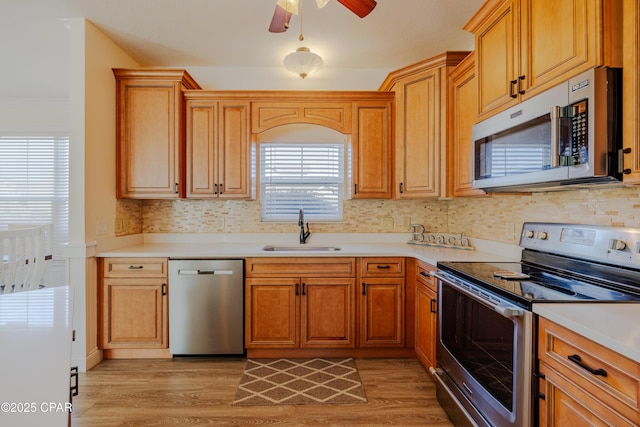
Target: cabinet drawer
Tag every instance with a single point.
(423, 276)
(297, 267)
(382, 267)
(135, 267)
(616, 380)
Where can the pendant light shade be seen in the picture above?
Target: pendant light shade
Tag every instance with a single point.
(303, 62)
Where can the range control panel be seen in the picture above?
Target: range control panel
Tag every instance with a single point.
(611, 245)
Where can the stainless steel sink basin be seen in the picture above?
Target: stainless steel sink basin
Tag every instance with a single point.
(298, 248)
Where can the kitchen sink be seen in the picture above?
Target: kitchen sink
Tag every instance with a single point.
(273, 248)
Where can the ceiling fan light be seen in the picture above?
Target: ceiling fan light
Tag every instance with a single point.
(290, 6)
(322, 3)
(303, 62)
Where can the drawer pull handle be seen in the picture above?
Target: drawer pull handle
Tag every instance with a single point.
(578, 361)
(383, 267)
(434, 306)
(424, 273)
(297, 289)
(136, 267)
(304, 285)
(364, 289)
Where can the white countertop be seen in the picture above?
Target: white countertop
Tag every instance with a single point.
(35, 361)
(614, 326)
(356, 244)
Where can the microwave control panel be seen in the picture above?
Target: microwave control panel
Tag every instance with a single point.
(579, 138)
(574, 143)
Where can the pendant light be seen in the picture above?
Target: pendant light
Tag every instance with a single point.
(302, 62)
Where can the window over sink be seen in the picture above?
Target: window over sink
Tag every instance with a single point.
(303, 166)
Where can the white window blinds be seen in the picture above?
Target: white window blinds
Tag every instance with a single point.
(34, 189)
(305, 175)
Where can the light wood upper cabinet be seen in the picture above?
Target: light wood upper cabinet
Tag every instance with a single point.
(526, 46)
(462, 115)
(218, 148)
(149, 129)
(335, 115)
(421, 127)
(372, 136)
(631, 85)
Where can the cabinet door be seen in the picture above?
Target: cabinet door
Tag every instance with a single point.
(273, 308)
(565, 404)
(426, 317)
(134, 313)
(233, 151)
(149, 139)
(382, 312)
(327, 313)
(418, 142)
(201, 134)
(631, 84)
(372, 150)
(497, 58)
(563, 38)
(462, 115)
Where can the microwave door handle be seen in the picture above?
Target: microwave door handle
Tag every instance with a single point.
(555, 136)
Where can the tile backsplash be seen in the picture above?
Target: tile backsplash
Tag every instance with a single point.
(493, 217)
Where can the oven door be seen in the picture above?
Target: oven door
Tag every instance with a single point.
(484, 354)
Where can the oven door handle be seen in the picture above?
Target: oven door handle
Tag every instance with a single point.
(504, 310)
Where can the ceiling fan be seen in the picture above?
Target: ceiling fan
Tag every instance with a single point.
(286, 8)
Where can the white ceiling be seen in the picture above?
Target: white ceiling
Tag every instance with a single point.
(227, 33)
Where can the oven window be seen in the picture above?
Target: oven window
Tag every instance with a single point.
(481, 340)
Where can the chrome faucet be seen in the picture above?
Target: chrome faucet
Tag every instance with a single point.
(304, 235)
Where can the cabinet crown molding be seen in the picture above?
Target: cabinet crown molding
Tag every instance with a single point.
(444, 59)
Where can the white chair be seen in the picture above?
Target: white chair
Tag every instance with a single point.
(25, 253)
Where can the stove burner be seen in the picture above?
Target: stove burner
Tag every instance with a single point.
(510, 275)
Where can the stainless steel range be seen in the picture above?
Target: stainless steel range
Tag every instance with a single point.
(486, 327)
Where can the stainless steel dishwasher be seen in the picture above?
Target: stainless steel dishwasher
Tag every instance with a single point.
(206, 307)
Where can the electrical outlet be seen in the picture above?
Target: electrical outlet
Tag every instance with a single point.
(101, 228)
(118, 226)
(406, 223)
(510, 230)
(219, 223)
(387, 223)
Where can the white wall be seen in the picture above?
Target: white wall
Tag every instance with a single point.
(92, 171)
(221, 78)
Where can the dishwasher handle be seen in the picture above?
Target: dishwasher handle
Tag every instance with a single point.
(200, 272)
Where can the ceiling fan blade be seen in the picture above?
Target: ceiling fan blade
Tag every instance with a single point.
(280, 20)
(360, 7)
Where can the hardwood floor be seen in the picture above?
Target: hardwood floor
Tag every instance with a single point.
(199, 391)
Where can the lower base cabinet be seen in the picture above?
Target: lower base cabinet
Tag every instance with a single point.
(134, 308)
(582, 383)
(426, 313)
(300, 303)
(303, 312)
(382, 302)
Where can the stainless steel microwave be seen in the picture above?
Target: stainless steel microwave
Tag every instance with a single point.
(567, 136)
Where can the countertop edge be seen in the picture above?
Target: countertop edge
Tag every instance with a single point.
(593, 321)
